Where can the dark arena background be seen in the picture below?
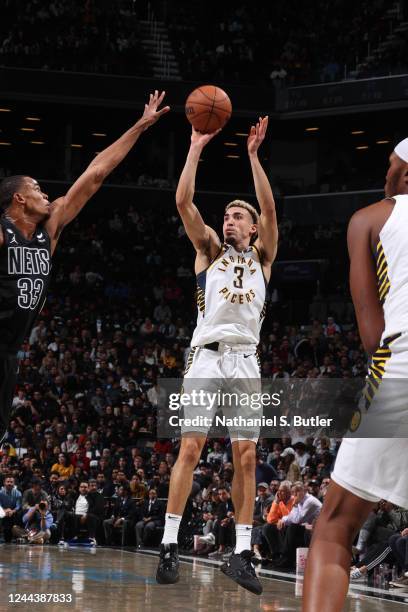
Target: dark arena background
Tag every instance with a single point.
(121, 307)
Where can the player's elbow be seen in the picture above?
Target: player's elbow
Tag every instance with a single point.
(370, 340)
(182, 202)
(99, 174)
(370, 345)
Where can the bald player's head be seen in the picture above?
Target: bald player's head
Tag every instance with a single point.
(396, 181)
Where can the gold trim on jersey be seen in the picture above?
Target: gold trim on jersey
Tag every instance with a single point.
(200, 299)
(383, 281)
(220, 253)
(190, 359)
(376, 369)
(260, 263)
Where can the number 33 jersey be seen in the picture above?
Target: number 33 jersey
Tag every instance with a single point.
(25, 267)
(231, 298)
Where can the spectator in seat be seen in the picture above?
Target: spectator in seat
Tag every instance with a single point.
(105, 487)
(264, 472)
(297, 525)
(262, 504)
(10, 501)
(289, 464)
(151, 517)
(280, 507)
(86, 514)
(61, 504)
(37, 523)
(224, 525)
(301, 456)
(137, 488)
(122, 510)
(216, 454)
(34, 495)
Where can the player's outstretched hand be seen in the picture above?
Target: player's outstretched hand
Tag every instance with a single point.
(200, 140)
(151, 113)
(257, 135)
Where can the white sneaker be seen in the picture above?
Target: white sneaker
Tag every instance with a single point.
(356, 574)
(92, 541)
(208, 539)
(61, 543)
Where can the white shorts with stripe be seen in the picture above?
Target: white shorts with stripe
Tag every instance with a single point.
(374, 467)
(234, 368)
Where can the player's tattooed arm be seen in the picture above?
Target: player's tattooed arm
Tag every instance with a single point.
(203, 237)
(66, 208)
(363, 280)
(267, 240)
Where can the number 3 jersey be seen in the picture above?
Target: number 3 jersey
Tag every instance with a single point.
(231, 298)
(25, 267)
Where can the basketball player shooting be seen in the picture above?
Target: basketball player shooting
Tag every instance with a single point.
(232, 278)
(369, 469)
(30, 227)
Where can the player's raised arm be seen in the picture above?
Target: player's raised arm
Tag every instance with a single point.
(203, 237)
(67, 207)
(363, 282)
(267, 240)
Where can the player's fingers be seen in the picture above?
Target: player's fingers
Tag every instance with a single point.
(161, 97)
(163, 110)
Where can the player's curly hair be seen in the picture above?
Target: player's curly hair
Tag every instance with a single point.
(242, 204)
(8, 188)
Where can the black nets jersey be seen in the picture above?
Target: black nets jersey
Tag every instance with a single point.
(25, 267)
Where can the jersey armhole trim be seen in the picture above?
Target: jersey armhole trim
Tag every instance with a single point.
(213, 260)
(260, 263)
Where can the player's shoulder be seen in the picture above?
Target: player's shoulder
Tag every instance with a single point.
(365, 216)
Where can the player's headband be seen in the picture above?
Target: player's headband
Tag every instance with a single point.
(402, 150)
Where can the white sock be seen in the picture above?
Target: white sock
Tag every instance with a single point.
(243, 537)
(171, 528)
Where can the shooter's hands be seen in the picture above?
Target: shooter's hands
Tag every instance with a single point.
(199, 140)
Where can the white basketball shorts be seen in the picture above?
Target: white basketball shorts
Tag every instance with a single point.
(374, 467)
(233, 371)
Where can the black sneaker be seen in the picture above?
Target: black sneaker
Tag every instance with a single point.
(168, 570)
(240, 569)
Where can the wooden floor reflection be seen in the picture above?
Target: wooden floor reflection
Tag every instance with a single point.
(105, 579)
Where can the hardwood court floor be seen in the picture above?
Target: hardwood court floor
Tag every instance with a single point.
(107, 580)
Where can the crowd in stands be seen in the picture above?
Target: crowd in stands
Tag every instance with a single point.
(280, 41)
(257, 42)
(82, 458)
(88, 36)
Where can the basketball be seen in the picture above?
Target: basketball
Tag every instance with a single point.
(208, 108)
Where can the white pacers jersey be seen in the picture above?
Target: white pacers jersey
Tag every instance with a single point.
(231, 298)
(392, 268)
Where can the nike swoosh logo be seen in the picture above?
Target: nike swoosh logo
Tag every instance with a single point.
(171, 517)
(245, 356)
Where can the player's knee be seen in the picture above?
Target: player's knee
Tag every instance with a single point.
(190, 452)
(246, 458)
(333, 517)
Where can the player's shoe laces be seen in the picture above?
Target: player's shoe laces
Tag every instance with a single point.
(239, 568)
(168, 570)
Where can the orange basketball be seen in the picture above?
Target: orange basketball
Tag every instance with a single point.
(208, 108)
